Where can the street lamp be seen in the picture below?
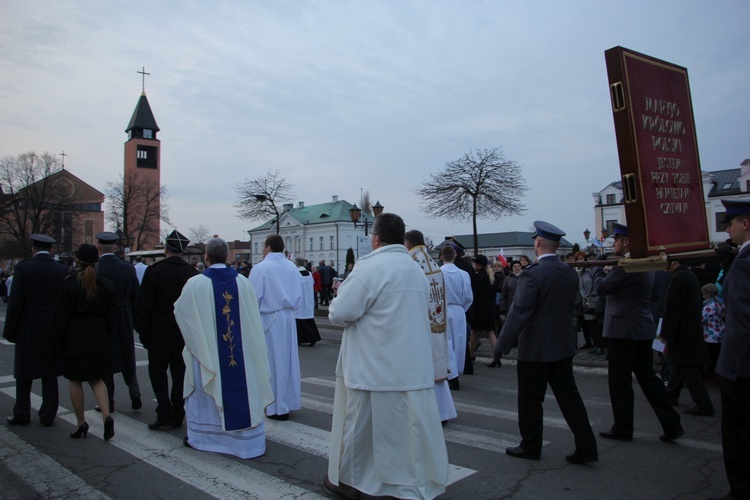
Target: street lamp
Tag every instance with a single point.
(586, 235)
(355, 213)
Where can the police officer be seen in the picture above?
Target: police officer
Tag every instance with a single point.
(28, 321)
(122, 344)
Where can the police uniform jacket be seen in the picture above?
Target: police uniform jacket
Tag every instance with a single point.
(123, 277)
(28, 320)
(627, 313)
(154, 316)
(682, 326)
(541, 317)
(734, 359)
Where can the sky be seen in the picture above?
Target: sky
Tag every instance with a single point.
(343, 96)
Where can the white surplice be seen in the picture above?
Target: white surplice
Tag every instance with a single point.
(386, 438)
(277, 284)
(459, 297)
(195, 312)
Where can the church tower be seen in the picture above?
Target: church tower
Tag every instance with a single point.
(142, 178)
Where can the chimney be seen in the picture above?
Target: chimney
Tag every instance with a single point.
(301, 204)
(335, 198)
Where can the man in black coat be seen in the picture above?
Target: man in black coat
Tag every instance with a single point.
(156, 325)
(326, 280)
(630, 332)
(540, 322)
(734, 359)
(682, 328)
(122, 343)
(28, 322)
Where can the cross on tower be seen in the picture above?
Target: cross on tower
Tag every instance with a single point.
(63, 160)
(143, 77)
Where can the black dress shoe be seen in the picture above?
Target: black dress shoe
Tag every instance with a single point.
(17, 421)
(519, 452)
(285, 416)
(186, 443)
(159, 424)
(454, 385)
(581, 458)
(616, 436)
(671, 436)
(47, 424)
(137, 404)
(342, 489)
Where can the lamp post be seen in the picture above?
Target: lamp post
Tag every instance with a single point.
(586, 235)
(355, 213)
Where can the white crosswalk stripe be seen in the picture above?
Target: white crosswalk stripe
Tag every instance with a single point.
(224, 477)
(47, 477)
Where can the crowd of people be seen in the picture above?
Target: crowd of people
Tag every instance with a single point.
(227, 336)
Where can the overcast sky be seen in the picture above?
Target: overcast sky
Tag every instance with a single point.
(343, 95)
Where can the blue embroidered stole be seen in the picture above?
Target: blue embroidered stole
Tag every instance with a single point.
(229, 342)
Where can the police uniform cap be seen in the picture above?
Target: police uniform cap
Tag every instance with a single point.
(42, 240)
(176, 242)
(547, 231)
(107, 238)
(735, 208)
(620, 231)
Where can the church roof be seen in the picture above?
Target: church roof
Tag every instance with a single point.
(322, 213)
(142, 116)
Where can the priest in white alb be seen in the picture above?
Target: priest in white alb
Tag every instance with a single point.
(277, 283)
(459, 297)
(227, 377)
(386, 438)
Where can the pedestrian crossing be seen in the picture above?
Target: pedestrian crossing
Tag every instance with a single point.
(226, 477)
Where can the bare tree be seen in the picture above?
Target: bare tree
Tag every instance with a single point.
(263, 196)
(135, 207)
(365, 202)
(199, 234)
(480, 184)
(32, 200)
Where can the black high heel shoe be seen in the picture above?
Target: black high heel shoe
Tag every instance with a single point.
(495, 362)
(109, 428)
(83, 429)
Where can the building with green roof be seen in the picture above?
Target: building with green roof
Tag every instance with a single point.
(316, 232)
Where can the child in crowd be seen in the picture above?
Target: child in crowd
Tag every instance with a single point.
(713, 328)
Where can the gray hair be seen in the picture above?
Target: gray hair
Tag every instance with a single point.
(217, 251)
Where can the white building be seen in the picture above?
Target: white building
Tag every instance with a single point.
(734, 183)
(316, 232)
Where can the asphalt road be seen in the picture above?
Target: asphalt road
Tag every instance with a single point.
(39, 462)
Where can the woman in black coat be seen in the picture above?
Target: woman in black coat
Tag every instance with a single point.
(483, 323)
(84, 316)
